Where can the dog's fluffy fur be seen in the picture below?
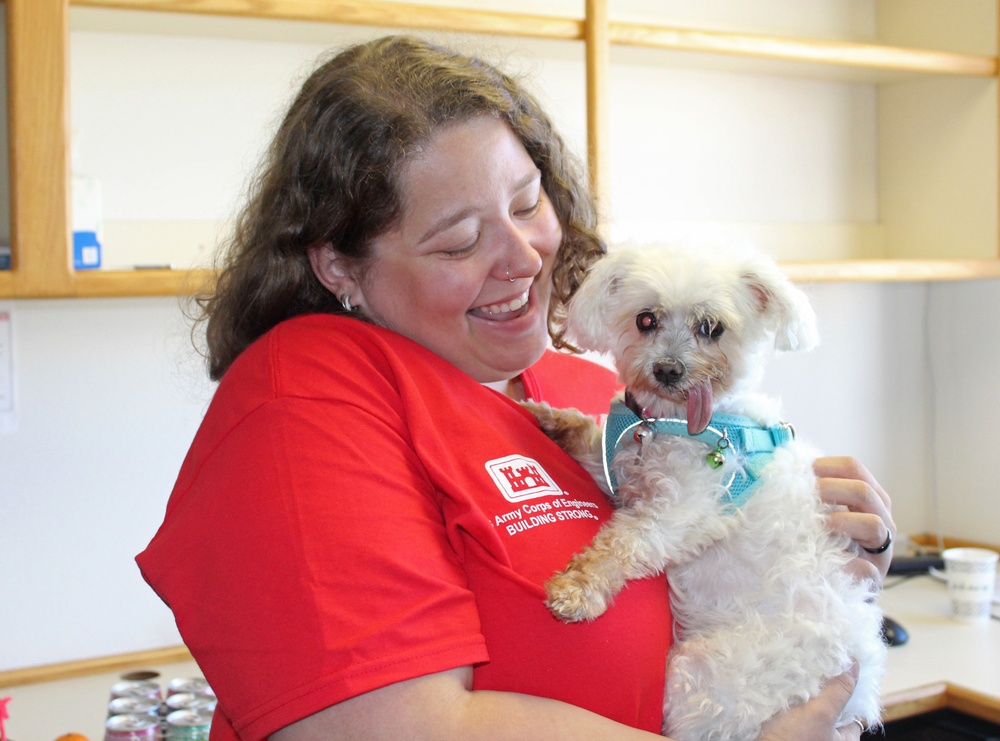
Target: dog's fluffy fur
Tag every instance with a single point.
(765, 611)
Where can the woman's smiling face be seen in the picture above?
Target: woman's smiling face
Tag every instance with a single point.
(467, 271)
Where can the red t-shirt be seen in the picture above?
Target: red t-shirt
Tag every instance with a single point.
(354, 511)
(569, 381)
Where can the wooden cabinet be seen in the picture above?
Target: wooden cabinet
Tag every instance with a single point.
(926, 71)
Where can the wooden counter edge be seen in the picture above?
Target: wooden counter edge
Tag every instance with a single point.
(86, 667)
(898, 705)
(928, 698)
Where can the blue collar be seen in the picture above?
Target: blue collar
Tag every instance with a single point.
(754, 445)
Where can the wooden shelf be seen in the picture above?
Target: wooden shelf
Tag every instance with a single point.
(38, 38)
(676, 38)
(361, 13)
(872, 57)
(120, 284)
(114, 283)
(891, 270)
(142, 282)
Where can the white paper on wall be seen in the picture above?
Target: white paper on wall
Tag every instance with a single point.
(8, 410)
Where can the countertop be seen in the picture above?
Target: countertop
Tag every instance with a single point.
(939, 650)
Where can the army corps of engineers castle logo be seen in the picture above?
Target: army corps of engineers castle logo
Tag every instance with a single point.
(519, 478)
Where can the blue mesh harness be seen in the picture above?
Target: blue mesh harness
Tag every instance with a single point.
(754, 445)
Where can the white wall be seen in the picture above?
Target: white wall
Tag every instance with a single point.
(863, 392)
(963, 347)
(110, 391)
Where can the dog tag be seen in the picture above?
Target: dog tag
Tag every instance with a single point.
(715, 459)
(643, 434)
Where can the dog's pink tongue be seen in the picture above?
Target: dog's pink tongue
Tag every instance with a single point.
(699, 407)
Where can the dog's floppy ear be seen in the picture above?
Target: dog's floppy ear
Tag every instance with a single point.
(589, 321)
(785, 307)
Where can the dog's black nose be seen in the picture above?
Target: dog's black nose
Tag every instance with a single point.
(668, 371)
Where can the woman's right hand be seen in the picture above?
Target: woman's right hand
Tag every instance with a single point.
(814, 720)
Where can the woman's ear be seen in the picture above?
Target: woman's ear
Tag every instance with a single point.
(330, 268)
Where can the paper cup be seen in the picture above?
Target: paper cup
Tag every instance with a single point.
(972, 574)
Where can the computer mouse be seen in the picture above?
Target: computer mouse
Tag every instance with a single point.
(893, 633)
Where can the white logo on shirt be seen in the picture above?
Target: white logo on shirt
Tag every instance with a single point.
(519, 477)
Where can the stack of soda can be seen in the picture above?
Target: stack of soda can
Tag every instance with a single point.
(140, 711)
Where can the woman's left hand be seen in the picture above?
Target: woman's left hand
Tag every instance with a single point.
(865, 513)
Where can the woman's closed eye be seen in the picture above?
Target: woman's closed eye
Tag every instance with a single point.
(529, 211)
(465, 249)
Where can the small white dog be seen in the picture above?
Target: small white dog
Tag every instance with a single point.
(713, 489)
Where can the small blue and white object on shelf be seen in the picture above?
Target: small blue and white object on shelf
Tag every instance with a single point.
(87, 222)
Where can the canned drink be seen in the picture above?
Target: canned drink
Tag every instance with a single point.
(188, 684)
(140, 674)
(134, 706)
(191, 701)
(189, 725)
(131, 727)
(136, 688)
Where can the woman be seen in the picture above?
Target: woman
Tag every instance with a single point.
(358, 538)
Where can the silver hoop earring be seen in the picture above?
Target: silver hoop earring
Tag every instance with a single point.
(508, 273)
(345, 301)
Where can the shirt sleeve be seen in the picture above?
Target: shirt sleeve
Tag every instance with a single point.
(305, 557)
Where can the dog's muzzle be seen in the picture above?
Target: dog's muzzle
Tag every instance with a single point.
(669, 371)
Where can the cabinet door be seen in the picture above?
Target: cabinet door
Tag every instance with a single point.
(37, 129)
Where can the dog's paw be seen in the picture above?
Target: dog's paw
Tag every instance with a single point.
(571, 598)
(575, 432)
(548, 417)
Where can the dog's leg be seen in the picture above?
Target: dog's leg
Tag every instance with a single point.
(634, 544)
(576, 433)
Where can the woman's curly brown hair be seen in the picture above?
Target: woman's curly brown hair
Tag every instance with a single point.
(331, 175)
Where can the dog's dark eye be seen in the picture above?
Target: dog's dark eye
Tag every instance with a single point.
(646, 322)
(712, 330)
